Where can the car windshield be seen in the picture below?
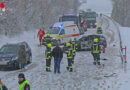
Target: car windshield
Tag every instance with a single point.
(91, 15)
(53, 31)
(9, 49)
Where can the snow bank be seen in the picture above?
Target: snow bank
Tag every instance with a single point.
(125, 77)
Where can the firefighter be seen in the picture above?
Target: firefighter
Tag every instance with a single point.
(99, 29)
(69, 52)
(47, 39)
(48, 55)
(96, 50)
(74, 46)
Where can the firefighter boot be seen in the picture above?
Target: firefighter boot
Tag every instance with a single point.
(99, 63)
(67, 68)
(71, 69)
(47, 69)
(94, 63)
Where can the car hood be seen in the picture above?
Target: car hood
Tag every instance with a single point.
(7, 56)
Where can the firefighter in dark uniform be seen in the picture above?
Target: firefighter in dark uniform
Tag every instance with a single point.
(47, 40)
(99, 30)
(69, 52)
(48, 55)
(74, 45)
(96, 50)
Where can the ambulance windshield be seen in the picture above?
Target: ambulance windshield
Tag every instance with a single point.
(53, 31)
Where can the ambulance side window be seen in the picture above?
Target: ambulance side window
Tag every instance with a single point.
(62, 32)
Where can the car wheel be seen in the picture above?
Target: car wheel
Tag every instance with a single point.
(30, 60)
(17, 66)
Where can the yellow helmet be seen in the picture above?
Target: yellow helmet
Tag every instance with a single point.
(68, 44)
(99, 26)
(49, 45)
(48, 34)
(96, 40)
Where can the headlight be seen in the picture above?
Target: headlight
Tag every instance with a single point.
(14, 58)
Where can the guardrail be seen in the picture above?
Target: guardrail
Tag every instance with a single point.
(121, 49)
(125, 56)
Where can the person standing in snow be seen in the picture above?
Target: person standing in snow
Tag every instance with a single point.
(48, 55)
(23, 83)
(99, 29)
(74, 45)
(2, 86)
(95, 51)
(69, 52)
(22, 57)
(41, 34)
(57, 53)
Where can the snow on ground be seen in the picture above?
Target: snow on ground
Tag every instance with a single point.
(86, 76)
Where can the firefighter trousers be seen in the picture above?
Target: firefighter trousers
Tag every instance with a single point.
(73, 59)
(96, 57)
(48, 64)
(69, 63)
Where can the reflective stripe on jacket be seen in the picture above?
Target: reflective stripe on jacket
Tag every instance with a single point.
(48, 54)
(69, 54)
(95, 49)
(74, 46)
(22, 85)
(48, 40)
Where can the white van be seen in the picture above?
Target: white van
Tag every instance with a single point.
(64, 31)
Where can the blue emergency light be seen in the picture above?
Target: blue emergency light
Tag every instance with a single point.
(60, 26)
(75, 22)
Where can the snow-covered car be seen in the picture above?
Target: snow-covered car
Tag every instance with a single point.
(85, 42)
(9, 57)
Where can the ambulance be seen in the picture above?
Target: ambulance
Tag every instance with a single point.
(63, 32)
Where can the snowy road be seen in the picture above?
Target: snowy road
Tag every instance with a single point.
(86, 76)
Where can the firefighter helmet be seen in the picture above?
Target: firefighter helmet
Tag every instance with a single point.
(96, 40)
(99, 26)
(49, 45)
(48, 34)
(68, 44)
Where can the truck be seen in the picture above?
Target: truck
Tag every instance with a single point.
(88, 17)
